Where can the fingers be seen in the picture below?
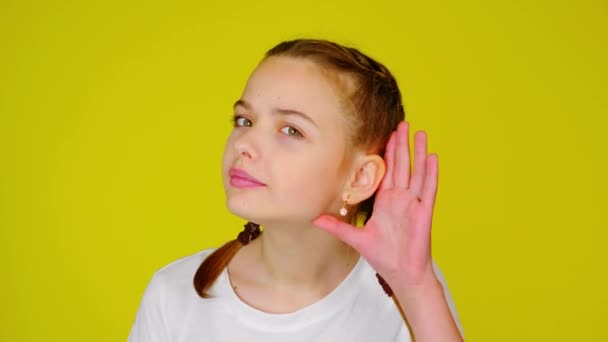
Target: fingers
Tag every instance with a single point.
(340, 230)
(398, 163)
(389, 159)
(429, 192)
(419, 173)
(401, 173)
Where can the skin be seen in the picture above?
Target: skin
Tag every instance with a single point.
(308, 169)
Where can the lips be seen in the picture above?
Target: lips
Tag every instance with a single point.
(240, 178)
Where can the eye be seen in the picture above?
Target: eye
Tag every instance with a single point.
(240, 121)
(289, 130)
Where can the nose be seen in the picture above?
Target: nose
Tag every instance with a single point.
(245, 145)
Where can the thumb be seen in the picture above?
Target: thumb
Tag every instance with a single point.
(341, 230)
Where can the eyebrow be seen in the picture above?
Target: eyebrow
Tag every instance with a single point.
(282, 111)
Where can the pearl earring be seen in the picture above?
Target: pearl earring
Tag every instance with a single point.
(343, 210)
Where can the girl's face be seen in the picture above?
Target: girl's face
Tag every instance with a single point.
(290, 136)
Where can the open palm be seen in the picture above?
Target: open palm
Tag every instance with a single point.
(396, 240)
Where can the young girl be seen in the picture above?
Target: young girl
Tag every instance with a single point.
(319, 158)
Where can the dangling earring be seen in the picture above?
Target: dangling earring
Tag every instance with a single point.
(343, 210)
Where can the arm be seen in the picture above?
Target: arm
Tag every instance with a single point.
(428, 312)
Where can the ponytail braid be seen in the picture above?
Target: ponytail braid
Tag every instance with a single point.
(214, 264)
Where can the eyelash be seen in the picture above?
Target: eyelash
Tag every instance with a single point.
(235, 122)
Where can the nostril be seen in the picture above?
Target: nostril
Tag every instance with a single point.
(244, 146)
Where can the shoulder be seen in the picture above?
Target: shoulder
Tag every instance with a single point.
(185, 264)
(177, 276)
(374, 296)
(168, 294)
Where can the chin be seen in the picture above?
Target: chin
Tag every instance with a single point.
(255, 212)
(243, 209)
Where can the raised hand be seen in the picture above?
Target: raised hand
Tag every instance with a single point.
(396, 240)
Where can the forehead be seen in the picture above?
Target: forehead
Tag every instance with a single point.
(298, 84)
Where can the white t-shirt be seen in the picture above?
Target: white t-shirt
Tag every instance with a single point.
(357, 310)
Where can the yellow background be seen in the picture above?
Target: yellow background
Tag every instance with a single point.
(113, 116)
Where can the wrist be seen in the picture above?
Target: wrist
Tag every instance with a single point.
(414, 280)
(417, 292)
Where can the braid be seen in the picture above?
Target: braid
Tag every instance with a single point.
(214, 264)
(372, 67)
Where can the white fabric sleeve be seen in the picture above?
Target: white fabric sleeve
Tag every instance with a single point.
(448, 298)
(150, 324)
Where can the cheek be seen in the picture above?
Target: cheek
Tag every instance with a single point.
(310, 180)
(228, 153)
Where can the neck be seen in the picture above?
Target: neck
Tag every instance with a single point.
(303, 256)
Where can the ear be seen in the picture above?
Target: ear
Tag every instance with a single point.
(368, 171)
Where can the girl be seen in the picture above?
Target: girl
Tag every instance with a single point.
(319, 145)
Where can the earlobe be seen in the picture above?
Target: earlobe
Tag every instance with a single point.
(366, 178)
